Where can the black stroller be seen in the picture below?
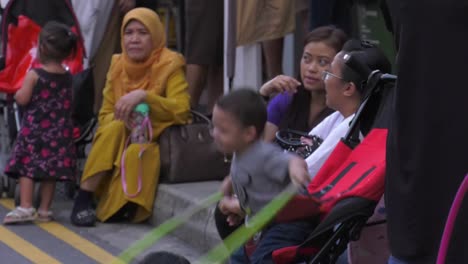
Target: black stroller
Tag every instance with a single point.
(349, 184)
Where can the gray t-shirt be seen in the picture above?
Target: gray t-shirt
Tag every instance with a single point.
(258, 175)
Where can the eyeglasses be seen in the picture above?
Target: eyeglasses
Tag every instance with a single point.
(326, 74)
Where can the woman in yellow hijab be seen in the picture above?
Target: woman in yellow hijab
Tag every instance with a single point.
(146, 72)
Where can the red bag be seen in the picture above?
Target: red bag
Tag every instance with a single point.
(346, 173)
(21, 54)
(362, 173)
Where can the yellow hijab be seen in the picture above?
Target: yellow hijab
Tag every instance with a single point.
(152, 74)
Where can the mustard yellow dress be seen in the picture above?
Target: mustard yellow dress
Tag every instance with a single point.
(169, 104)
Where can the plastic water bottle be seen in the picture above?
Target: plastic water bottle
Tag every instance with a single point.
(139, 131)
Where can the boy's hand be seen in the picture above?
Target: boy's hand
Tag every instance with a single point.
(222, 205)
(230, 205)
(234, 220)
(226, 186)
(299, 173)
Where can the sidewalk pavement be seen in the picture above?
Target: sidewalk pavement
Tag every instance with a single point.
(190, 240)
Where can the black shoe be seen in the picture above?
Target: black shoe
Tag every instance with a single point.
(124, 214)
(84, 218)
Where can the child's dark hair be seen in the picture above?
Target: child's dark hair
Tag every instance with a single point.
(247, 106)
(56, 42)
(164, 257)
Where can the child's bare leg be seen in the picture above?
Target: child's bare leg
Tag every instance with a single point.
(26, 192)
(25, 212)
(47, 195)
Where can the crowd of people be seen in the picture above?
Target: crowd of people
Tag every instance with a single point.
(134, 66)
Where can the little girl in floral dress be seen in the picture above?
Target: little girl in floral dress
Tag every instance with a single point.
(44, 151)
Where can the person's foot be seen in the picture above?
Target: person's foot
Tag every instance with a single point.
(20, 215)
(125, 214)
(44, 216)
(83, 213)
(84, 218)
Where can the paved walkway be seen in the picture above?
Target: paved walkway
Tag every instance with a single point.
(60, 242)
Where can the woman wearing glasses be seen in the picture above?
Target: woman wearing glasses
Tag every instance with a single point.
(344, 91)
(300, 104)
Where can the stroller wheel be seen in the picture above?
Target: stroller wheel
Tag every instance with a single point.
(36, 196)
(11, 187)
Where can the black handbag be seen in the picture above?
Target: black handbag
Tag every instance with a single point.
(188, 153)
(290, 140)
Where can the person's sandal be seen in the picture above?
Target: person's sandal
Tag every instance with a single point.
(45, 216)
(84, 218)
(20, 215)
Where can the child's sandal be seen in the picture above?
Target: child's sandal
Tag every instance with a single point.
(20, 215)
(44, 216)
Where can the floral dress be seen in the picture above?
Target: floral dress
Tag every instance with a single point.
(44, 148)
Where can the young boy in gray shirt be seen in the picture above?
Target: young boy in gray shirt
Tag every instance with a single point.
(259, 172)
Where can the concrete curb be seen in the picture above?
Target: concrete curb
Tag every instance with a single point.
(173, 199)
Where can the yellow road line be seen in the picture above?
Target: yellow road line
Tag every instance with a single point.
(25, 248)
(61, 232)
(86, 247)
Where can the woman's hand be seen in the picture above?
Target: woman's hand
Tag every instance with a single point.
(125, 105)
(126, 5)
(279, 84)
(307, 141)
(130, 121)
